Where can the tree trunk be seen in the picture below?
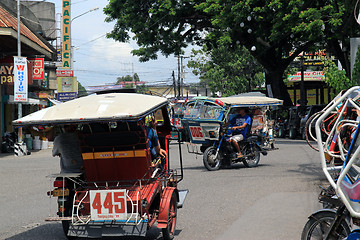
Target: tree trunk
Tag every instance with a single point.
(278, 87)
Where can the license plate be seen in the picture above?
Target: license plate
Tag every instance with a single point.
(59, 192)
(108, 204)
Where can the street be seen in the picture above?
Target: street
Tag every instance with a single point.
(271, 201)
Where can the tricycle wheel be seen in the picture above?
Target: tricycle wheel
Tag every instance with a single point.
(252, 157)
(168, 232)
(211, 162)
(65, 226)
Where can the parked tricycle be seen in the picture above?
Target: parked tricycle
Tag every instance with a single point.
(121, 190)
(205, 120)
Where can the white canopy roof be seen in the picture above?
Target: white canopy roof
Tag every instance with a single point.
(104, 107)
(249, 101)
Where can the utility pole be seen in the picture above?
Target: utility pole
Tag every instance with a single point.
(182, 77)
(19, 54)
(179, 85)
(174, 83)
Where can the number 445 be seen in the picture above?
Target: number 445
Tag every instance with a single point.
(113, 201)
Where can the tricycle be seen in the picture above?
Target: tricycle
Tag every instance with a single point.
(120, 190)
(205, 120)
(337, 129)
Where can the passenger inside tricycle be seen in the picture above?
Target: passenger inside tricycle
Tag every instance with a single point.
(121, 189)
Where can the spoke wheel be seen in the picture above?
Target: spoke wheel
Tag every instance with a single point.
(211, 162)
(252, 157)
(168, 232)
(319, 224)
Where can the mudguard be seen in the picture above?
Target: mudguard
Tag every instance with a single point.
(322, 210)
(165, 206)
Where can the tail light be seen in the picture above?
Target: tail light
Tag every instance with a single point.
(59, 183)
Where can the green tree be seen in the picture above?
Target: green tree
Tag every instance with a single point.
(336, 78)
(128, 78)
(274, 32)
(81, 90)
(228, 71)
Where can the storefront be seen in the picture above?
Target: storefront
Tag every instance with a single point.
(37, 51)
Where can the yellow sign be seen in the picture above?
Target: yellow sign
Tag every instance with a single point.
(67, 84)
(66, 34)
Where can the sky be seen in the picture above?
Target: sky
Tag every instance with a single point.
(99, 61)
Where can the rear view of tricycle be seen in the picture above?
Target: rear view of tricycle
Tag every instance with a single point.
(121, 190)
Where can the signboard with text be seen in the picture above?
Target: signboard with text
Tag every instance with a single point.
(308, 76)
(7, 70)
(38, 72)
(20, 79)
(67, 88)
(64, 73)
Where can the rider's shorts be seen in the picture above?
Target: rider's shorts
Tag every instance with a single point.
(237, 138)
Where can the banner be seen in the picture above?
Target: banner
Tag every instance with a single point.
(20, 79)
(38, 72)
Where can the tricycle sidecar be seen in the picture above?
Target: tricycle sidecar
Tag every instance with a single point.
(121, 190)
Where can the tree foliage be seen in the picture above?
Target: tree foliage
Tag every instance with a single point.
(81, 90)
(336, 78)
(273, 28)
(228, 71)
(128, 78)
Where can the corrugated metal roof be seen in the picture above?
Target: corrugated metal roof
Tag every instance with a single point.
(9, 21)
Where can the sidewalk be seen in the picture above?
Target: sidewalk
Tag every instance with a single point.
(44, 152)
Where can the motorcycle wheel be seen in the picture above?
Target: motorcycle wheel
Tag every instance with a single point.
(281, 133)
(252, 157)
(317, 226)
(210, 162)
(292, 133)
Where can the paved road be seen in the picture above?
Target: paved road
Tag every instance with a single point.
(271, 201)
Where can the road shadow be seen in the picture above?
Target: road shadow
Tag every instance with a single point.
(310, 170)
(289, 142)
(54, 231)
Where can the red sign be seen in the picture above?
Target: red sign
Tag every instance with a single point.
(37, 68)
(64, 73)
(196, 133)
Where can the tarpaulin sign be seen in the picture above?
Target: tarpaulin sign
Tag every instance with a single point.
(20, 79)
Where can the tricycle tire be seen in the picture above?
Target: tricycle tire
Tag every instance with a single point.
(253, 158)
(65, 226)
(210, 162)
(168, 232)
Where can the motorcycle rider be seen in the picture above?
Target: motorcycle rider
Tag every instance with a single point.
(240, 125)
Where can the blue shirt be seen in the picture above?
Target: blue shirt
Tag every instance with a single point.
(239, 120)
(153, 138)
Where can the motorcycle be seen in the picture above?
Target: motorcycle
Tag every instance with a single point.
(8, 142)
(332, 222)
(222, 153)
